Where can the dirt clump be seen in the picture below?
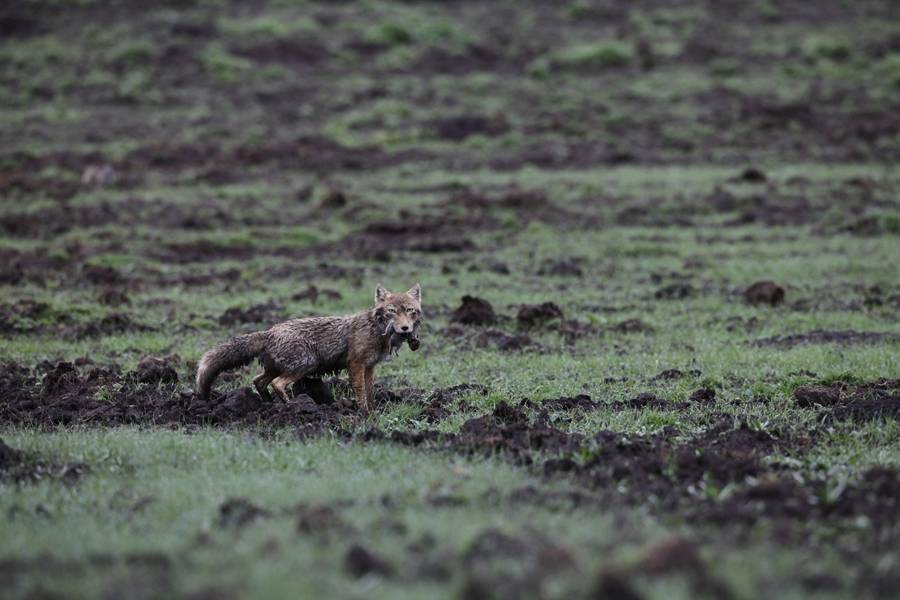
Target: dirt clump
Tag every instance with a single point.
(614, 585)
(647, 400)
(438, 403)
(474, 311)
(570, 403)
(850, 401)
(503, 341)
(321, 520)
(239, 512)
(725, 456)
(508, 430)
(673, 374)
(153, 369)
(532, 316)
(874, 495)
(675, 291)
(765, 292)
(567, 267)
(775, 210)
(359, 562)
(703, 395)
(463, 126)
(750, 175)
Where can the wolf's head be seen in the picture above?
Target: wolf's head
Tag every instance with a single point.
(400, 313)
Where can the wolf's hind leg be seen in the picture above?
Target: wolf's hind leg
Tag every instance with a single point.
(281, 382)
(261, 383)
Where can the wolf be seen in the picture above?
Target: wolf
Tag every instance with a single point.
(315, 346)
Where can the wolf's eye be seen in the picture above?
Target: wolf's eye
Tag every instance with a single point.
(412, 311)
(391, 310)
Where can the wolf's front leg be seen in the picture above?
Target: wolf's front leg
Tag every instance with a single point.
(370, 386)
(358, 383)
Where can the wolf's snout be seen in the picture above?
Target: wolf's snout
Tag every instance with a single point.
(404, 328)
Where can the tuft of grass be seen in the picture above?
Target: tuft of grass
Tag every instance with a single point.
(223, 65)
(588, 56)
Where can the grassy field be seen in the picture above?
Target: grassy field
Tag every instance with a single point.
(175, 174)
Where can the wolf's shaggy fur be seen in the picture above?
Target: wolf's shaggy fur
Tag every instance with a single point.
(316, 346)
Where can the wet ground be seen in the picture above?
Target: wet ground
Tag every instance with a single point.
(657, 246)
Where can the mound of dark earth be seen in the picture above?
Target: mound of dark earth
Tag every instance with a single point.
(858, 402)
(765, 292)
(531, 316)
(85, 393)
(474, 311)
(88, 394)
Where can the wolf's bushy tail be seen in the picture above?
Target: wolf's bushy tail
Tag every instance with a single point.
(236, 352)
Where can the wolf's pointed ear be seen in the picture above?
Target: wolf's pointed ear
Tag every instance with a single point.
(380, 293)
(416, 292)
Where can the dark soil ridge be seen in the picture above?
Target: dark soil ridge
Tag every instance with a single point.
(821, 336)
(65, 393)
(851, 401)
(666, 470)
(668, 473)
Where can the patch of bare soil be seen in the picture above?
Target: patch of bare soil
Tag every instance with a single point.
(460, 127)
(532, 316)
(503, 341)
(665, 470)
(857, 402)
(20, 468)
(88, 394)
(821, 336)
(474, 311)
(64, 393)
(675, 291)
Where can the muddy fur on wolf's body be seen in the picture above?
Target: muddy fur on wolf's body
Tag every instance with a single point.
(312, 347)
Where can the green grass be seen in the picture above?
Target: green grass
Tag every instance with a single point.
(158, 493)
(809, 103)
